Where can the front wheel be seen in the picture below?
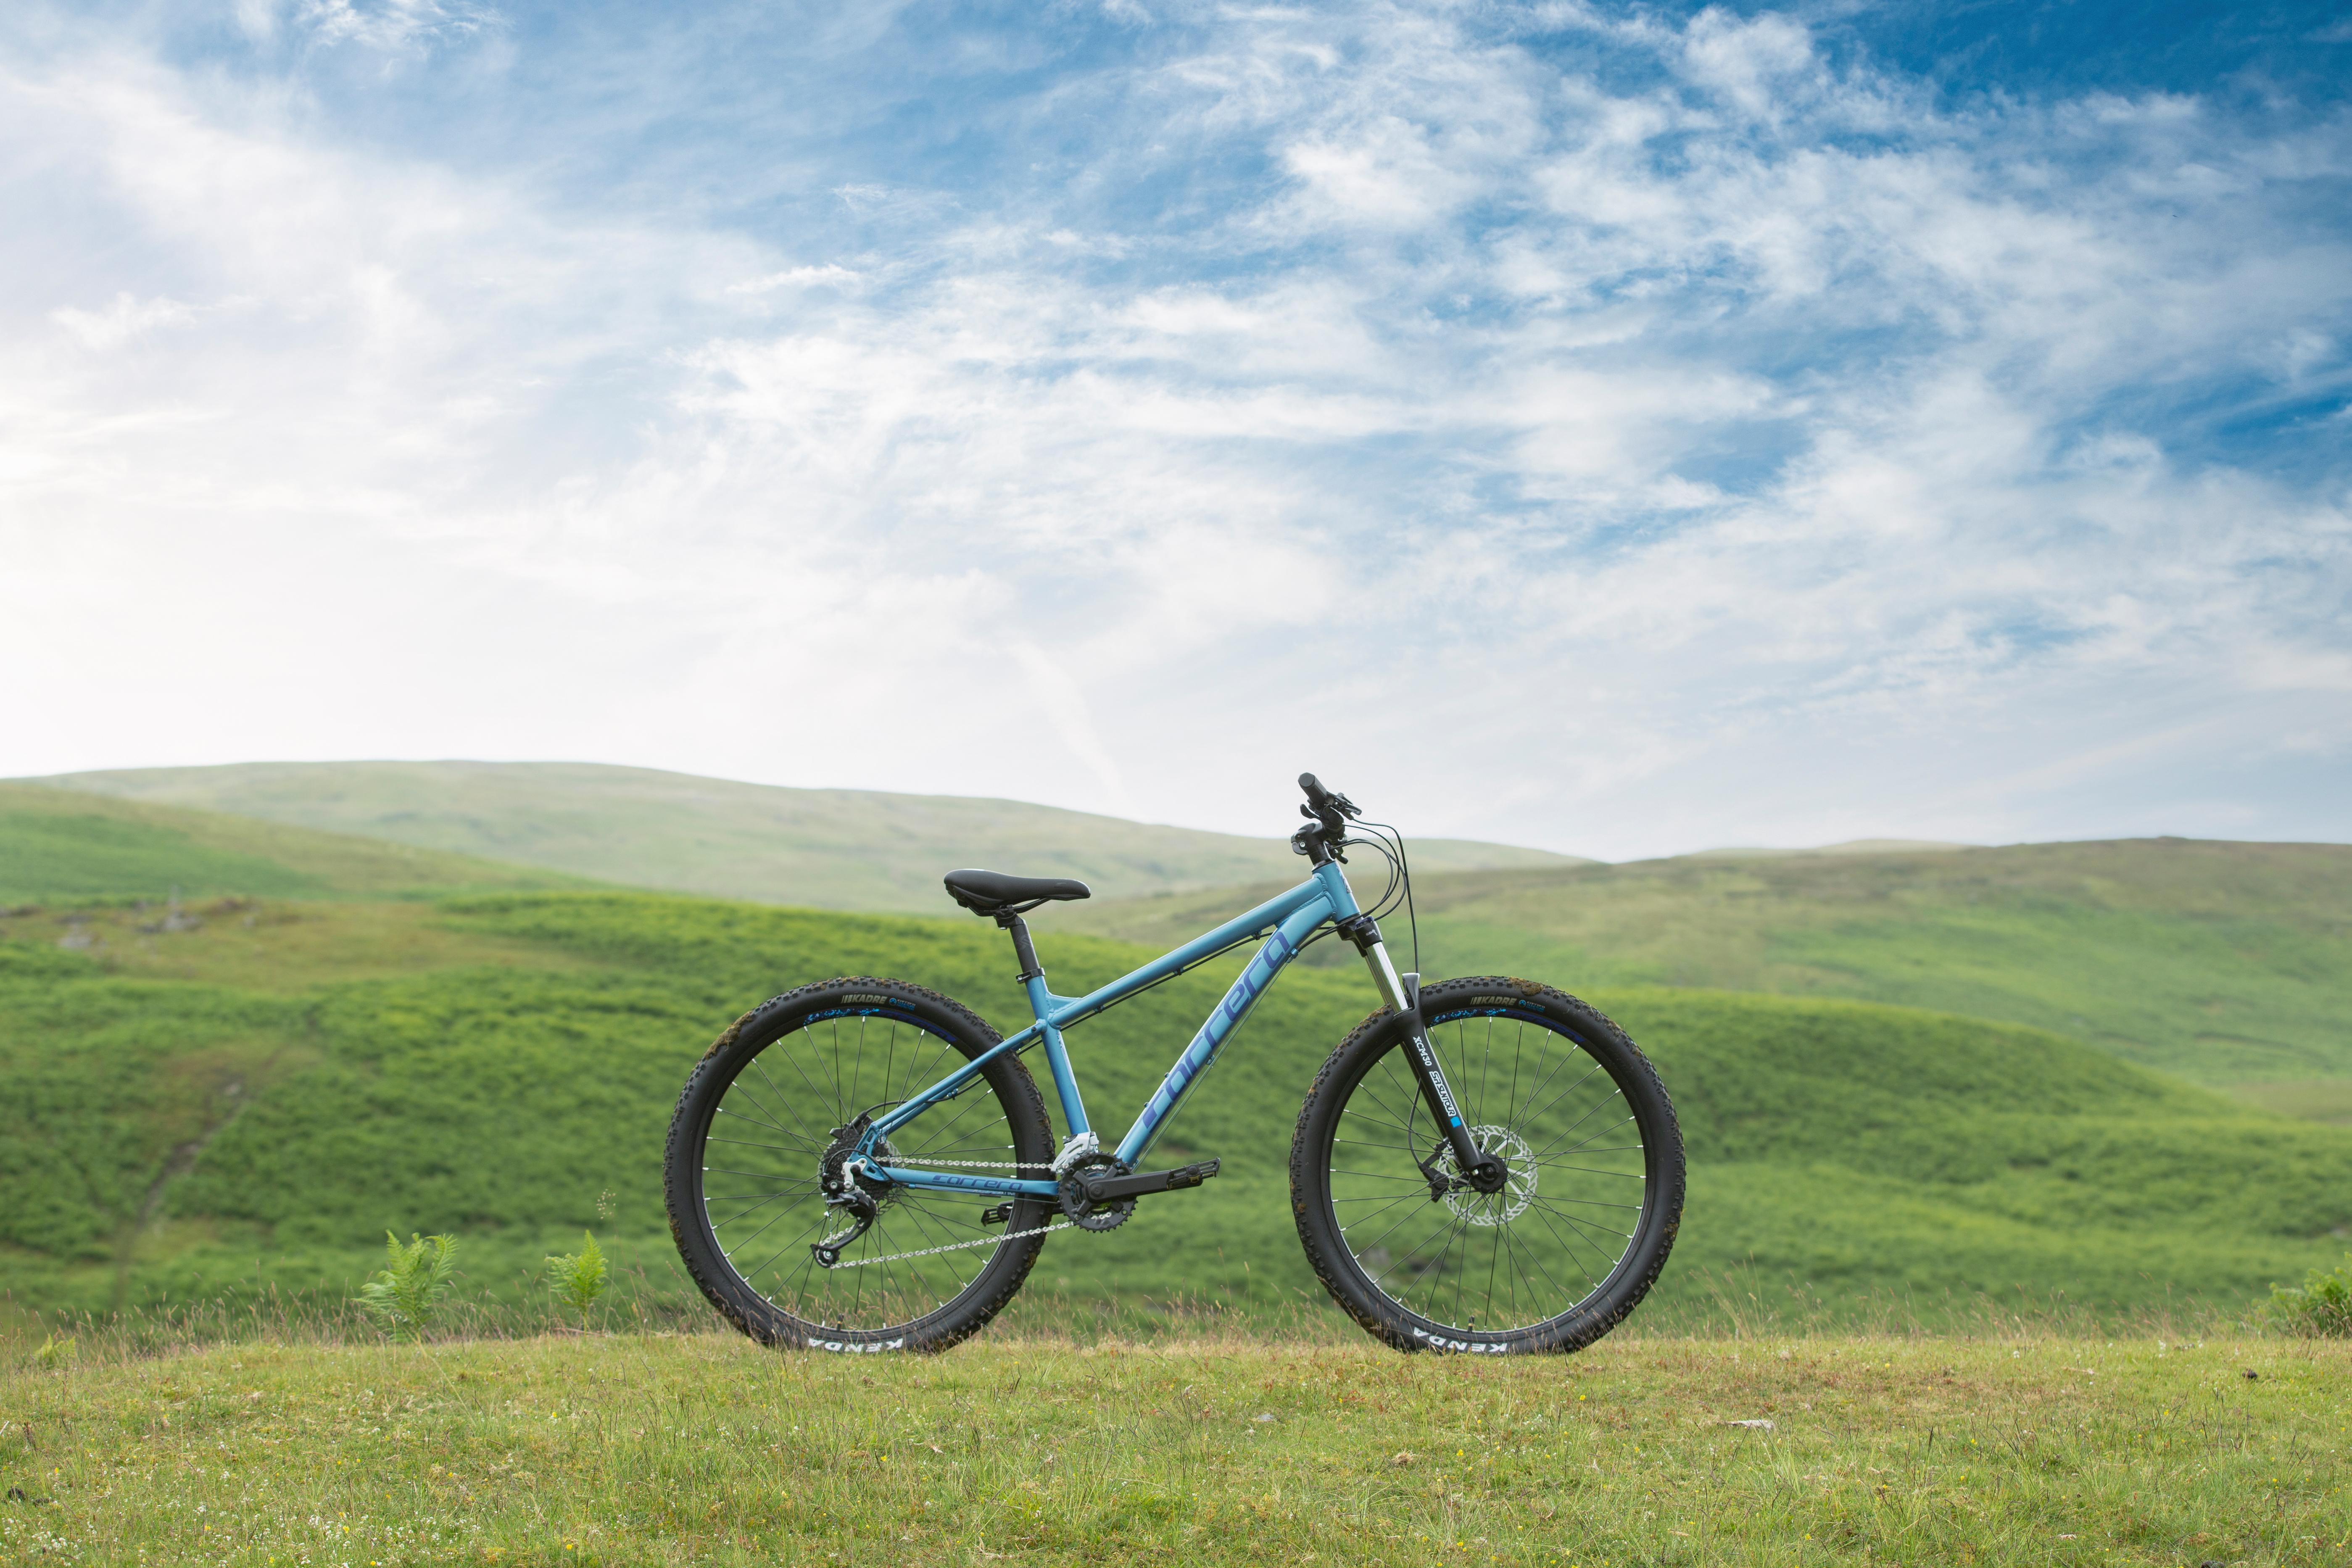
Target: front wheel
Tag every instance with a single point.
(1571, 1241)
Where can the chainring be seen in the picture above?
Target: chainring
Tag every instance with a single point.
(1084, 1212)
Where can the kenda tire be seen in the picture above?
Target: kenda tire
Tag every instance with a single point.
(1579, 1322)
(739, 1301)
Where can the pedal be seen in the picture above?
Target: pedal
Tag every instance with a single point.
(1111, 1189)
(1000, 1214)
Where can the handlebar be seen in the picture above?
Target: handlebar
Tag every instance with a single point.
(1327, 808)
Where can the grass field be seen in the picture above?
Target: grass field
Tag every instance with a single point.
(231, 1101)
(217, 1106)
(233, 1110)
(701, 1448)
(855, 849)
(2229, 964)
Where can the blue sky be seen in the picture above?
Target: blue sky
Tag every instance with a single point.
(1625, 429)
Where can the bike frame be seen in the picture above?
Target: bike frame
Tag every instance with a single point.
(1284, 921)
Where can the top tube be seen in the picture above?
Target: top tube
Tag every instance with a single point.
(1326, 884)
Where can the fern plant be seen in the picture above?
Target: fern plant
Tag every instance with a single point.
(578, 1277)
(406, 1294)
(2321, 1308)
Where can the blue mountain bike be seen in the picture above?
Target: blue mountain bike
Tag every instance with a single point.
(1483, 1165)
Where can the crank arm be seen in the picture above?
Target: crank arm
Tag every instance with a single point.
(1107, 1189)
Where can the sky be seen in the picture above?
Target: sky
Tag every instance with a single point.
(1619, 429)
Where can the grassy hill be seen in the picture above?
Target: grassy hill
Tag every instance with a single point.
(59, 844)
(2229, 964)
(212, 1112)
(810, 847)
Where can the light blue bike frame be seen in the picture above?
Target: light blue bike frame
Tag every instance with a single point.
(1286, 923)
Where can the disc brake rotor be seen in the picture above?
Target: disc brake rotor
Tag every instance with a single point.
(1497, 1207)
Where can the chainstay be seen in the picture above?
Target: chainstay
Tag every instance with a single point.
(977, 1240)
(953, 1245)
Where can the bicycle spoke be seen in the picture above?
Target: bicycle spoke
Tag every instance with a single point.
(923, 1249)
(1486, 1262)
(1591, 1171)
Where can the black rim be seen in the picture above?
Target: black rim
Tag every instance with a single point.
(761, 1145)
(1496, 1264)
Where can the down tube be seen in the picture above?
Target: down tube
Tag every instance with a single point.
(1280, 948)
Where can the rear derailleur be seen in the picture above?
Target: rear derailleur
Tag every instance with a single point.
(842, 1177)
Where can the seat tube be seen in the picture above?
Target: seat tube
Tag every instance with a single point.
(1058, 1056)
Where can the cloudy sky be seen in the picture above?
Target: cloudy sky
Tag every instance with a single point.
(1622, 430)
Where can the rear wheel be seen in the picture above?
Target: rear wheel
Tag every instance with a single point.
(746, 1171)
(1569, 1243)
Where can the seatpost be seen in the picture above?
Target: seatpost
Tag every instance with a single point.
(1023, 948)
(1081, 1138)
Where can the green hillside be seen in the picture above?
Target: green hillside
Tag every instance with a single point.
(2229, 964)
(58, 844)
(815, 849)
(217, 1113)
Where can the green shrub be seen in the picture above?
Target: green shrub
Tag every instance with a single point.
(578, 1277)
(405, 1295)
(2321, 1308)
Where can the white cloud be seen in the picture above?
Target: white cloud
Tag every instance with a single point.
(121, 322)
(1712, 452)
(390, 26)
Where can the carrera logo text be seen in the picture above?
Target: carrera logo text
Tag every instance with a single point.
(1465, 1347)
(1255, 976)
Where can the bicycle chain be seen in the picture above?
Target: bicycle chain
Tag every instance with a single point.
(975, 1241)
(954, 1246)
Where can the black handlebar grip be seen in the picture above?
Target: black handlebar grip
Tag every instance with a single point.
(1317, 796)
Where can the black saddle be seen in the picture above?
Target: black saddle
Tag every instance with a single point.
(987, 892)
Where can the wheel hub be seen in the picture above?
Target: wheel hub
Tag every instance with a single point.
(843, 1182)
(843, 1176)
(1492, 1202)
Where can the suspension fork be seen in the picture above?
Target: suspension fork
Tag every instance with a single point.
(1481, 1170)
